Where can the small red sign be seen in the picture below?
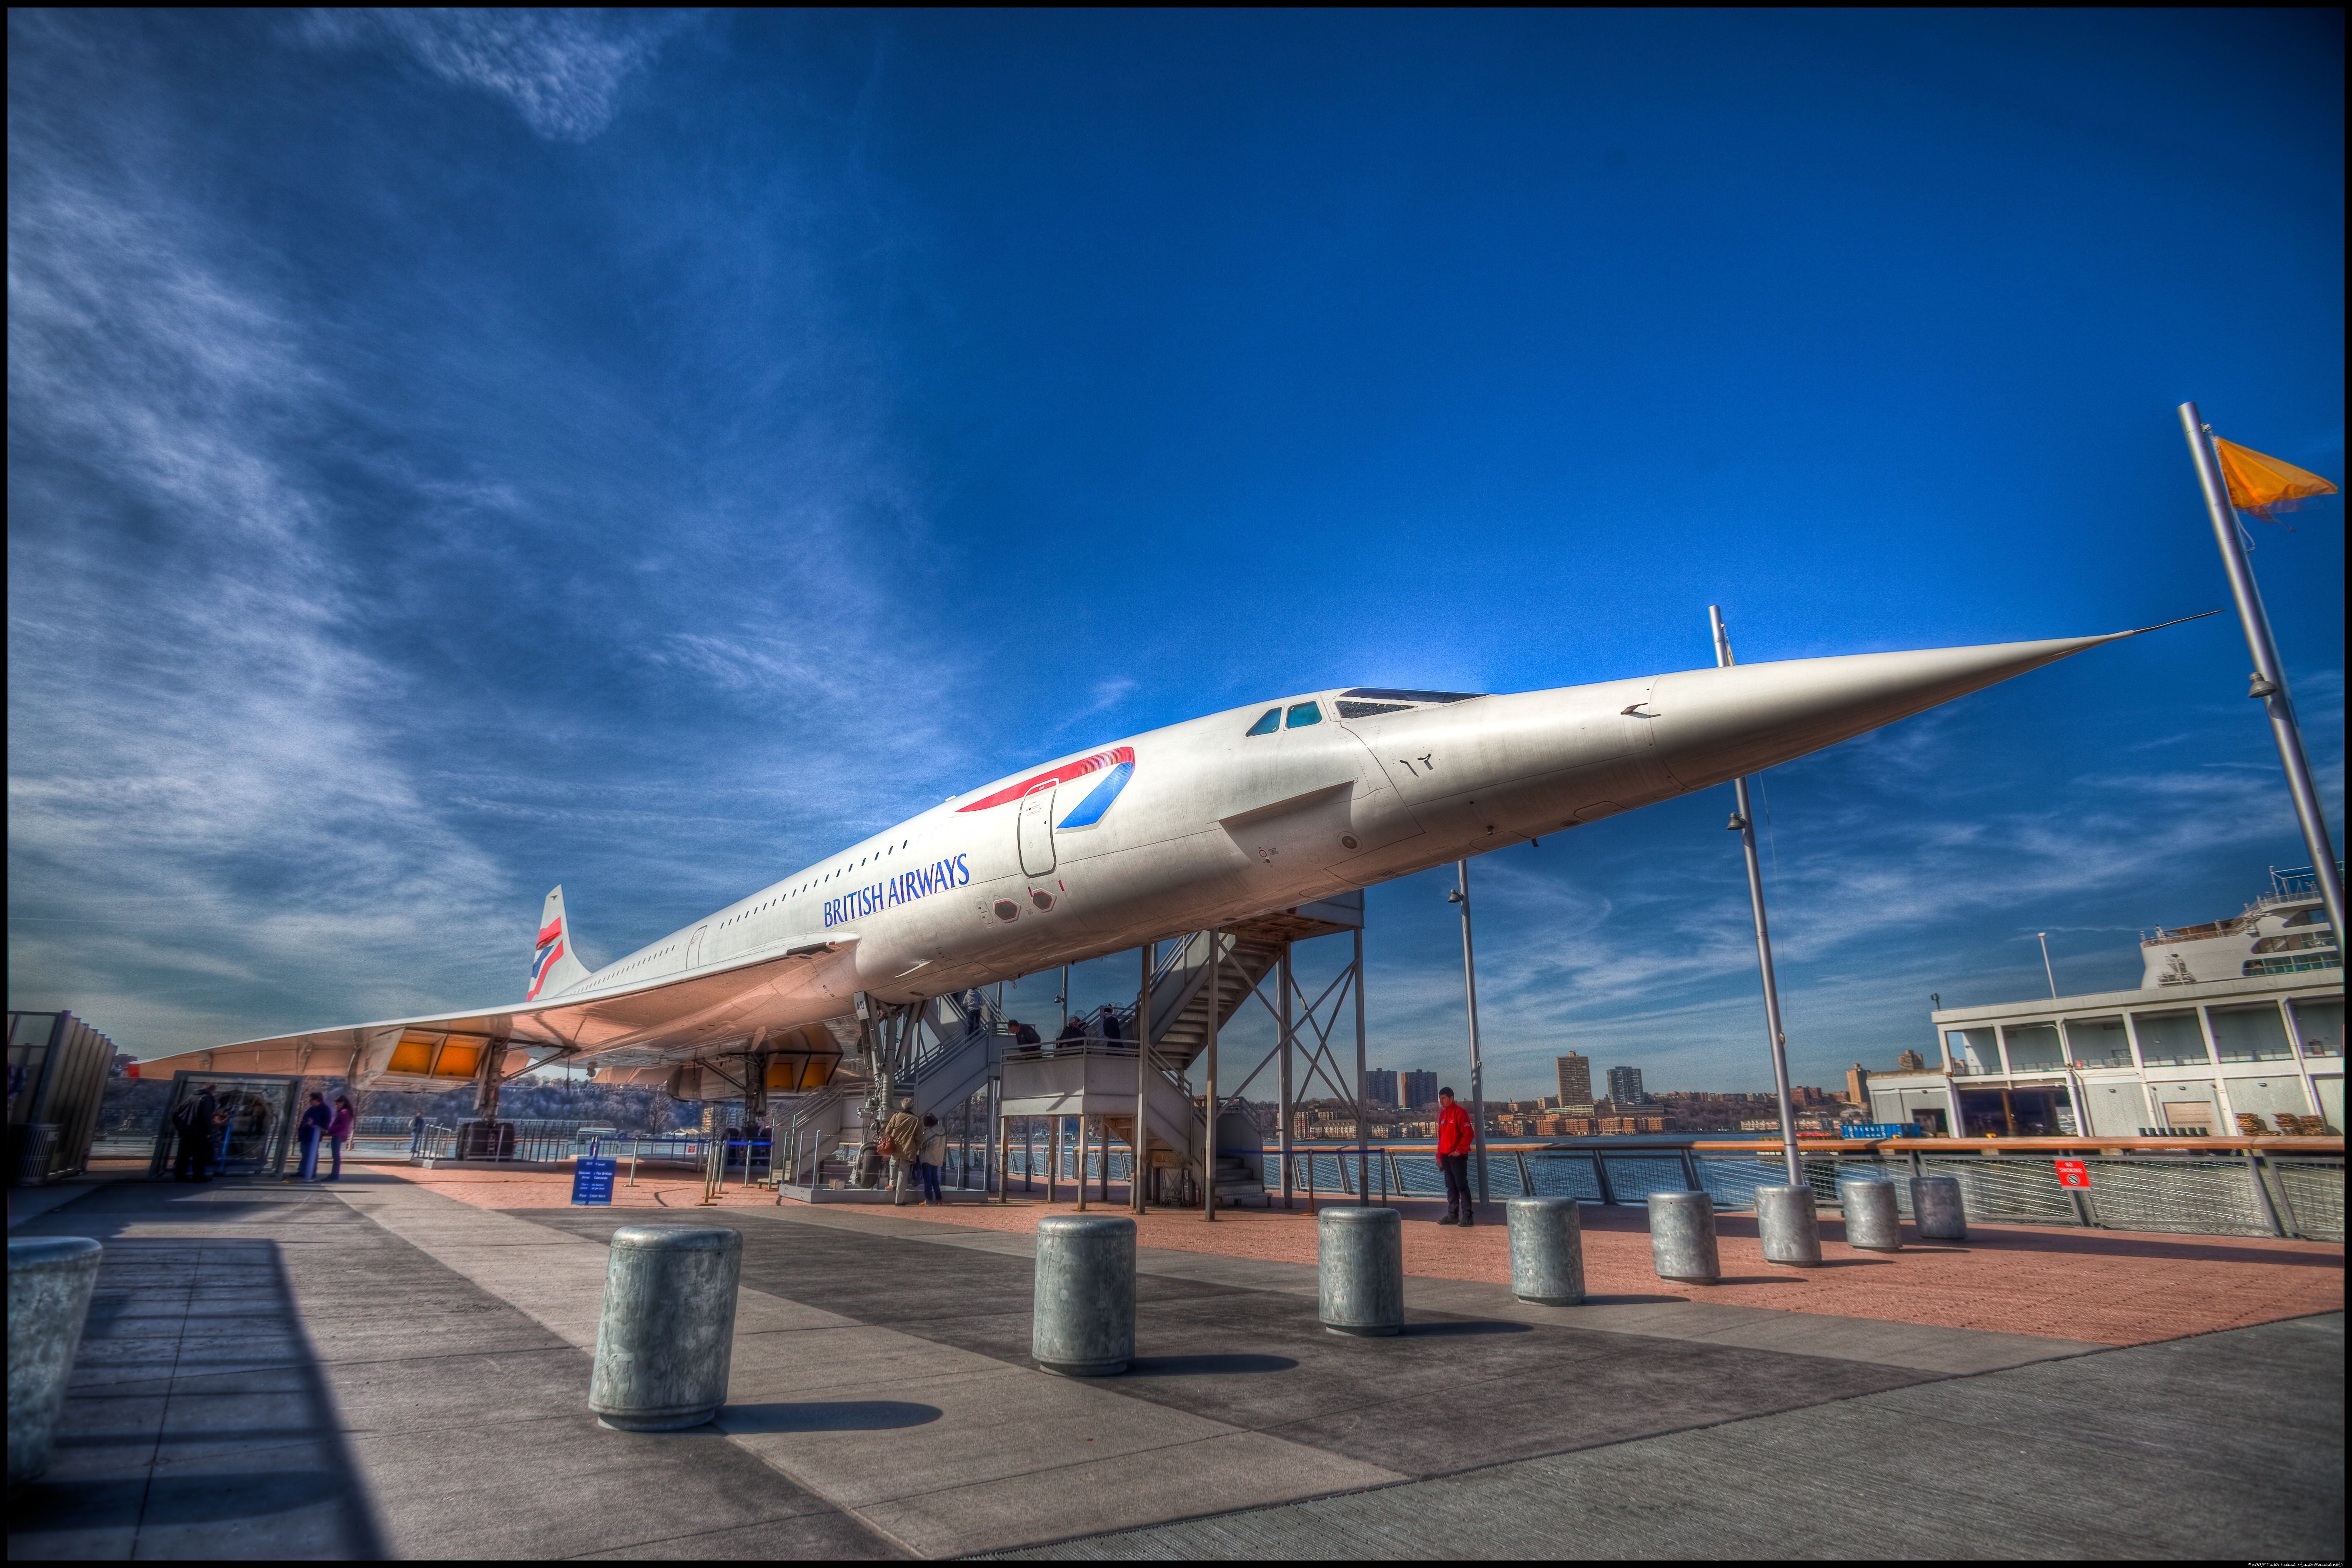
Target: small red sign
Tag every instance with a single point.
(2074, 1172)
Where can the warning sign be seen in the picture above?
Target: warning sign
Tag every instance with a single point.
(2074, 1172)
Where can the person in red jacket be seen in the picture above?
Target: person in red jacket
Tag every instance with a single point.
(1454, 1138)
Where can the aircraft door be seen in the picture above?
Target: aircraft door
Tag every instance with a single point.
(694, 947)
(1037, 829)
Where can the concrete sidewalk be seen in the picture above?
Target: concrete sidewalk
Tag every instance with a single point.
(378, 1369)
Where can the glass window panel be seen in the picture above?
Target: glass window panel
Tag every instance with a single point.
(2320, 1026)
(1367, 710)
(2250, 1033)
(1973, 1050)
(2034, 1048)
(2170, 1039)
(2099, 1042)
(1305, 714)
(1267, 723)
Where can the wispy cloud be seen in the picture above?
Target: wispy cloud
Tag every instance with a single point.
(562, 68)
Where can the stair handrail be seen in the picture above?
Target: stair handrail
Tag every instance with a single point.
(979, 1023)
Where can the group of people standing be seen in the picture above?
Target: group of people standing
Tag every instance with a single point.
(201, 1123)
(914, 1147)
(320, 1123)
(1027, 1042)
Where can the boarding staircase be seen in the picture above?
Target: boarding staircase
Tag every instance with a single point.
(954, 1044)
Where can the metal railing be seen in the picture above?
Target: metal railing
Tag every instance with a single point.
(2244, 1192)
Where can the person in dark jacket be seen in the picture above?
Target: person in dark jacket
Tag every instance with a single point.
(929, 1154)
(1456, 1138)
(1026, 1041)
(316, 1120)
(194, 1124)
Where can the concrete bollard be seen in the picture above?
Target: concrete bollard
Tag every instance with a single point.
(49, 1282)
(1937, 1210)
(1359, 1267)
(1873, 1222)
(1083, 1324)
(667, 1336)
(1789, 1226)
(1682, 1237)
(1547, 1250)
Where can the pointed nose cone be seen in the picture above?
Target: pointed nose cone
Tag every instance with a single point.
(1716, 724)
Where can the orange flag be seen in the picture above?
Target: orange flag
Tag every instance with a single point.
(2265, 485)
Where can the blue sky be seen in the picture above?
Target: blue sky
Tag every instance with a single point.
(455, 453)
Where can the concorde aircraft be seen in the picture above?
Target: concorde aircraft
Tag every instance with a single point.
(1272, 805)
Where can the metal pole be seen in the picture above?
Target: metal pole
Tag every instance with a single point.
(1363, 1121)
(1209, 1058)
(1284, 1112)
(2043, 938)
(1461, 895)
(2269, 674)
(1064, 997)
(1082, 1164)
(1743, 820)
(1135, 1198)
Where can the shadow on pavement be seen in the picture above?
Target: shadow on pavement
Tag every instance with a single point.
(1205, 1365)
(822, 1415)
(194, 1362)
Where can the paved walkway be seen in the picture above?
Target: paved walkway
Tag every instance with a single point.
(381, 1368)
(2113, 1288)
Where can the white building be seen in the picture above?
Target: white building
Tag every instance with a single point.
(2183, 1051)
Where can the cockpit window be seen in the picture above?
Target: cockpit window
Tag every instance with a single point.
(1366, 709)
(1305, 714)
(1267, 723)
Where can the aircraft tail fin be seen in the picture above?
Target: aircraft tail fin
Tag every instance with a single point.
(555, 966)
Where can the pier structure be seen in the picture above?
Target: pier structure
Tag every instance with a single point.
(946, 1053)
(400, 1365)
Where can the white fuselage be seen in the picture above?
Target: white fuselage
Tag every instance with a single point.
(1218, 823)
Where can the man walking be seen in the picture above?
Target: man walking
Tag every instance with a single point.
(1454, 1139)
(194, 1123)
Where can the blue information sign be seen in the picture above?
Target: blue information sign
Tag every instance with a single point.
(1877, 1130)
(592, 1182)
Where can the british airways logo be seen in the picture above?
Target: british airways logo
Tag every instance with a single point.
(551, 948)
(903, 888)
(1119, 760)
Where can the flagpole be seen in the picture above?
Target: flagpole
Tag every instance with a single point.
(2269, 674)
(1743, 820)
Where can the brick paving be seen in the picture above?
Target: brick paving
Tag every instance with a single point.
(2115, 1287)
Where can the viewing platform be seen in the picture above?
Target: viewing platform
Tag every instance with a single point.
(397, 1365)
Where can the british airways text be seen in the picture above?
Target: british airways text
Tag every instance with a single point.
(903, 888)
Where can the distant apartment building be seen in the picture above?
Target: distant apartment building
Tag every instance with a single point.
(1625, 1086)
(1857, 1086)
(1575, 1080)
(1420, 1090)
(1381, 1086)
